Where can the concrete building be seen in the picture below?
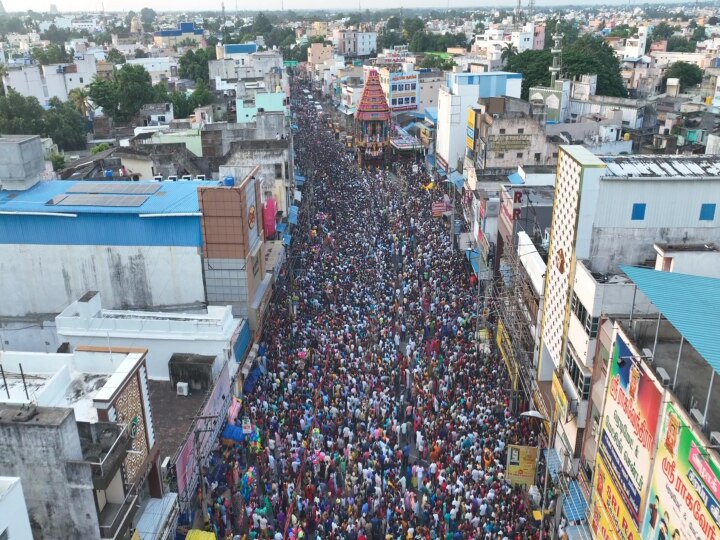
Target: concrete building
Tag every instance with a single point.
(507, 131)
(700, 59)
(14, 521)
(83, 419)
(401, 87)
(213, 333)
(21, 161)
(318, 53)
(345, 41)
(366, 43)
(47, 82)
(185, 32)
(461, 90)
(609, 211)
(429, 83)
(162, 68)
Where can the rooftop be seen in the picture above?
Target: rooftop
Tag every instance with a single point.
(696, 167)
(110, 197)
(669, 248)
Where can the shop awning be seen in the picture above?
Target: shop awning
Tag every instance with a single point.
(280, 227)
(299, 180)
(287, 239)
(293, 215)
(457, 180)
(574, 504)
(478, 265)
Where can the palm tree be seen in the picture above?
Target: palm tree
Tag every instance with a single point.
(508, 52)
(80, 98)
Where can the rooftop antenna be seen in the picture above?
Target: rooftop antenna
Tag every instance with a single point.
(530, 9)
(222, 5)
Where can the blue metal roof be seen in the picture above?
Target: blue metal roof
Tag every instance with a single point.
(515, 178)
(690, 303)
(240, 48)
(171, 198)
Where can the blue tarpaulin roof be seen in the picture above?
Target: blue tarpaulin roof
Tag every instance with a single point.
(280, 227)
(299, 180)
(251, 380)
(293, 215)
(515, 179)
(431, 114)
(457, 179)
(478, 265)
(690, 303)
(287, 239)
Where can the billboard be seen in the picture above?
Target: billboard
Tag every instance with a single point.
(609, 518)
(629, 427)
(521, 463)
(684, 496)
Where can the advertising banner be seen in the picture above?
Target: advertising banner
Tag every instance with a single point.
(505, 346)
(561, 401)
(609, 518)
(521, 463)
(684, 496)
(629, 428)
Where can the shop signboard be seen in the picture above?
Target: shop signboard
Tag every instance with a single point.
(521, 463)
(629, 428)
(506, 351)
(561, 401)
(684, 496)
(609, 518)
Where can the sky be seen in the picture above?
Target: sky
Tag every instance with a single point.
(175, 5)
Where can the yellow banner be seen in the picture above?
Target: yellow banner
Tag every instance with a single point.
(561, 401)
(609, 517)
(521, 463)
(506, 351)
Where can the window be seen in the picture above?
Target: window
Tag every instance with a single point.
(580, 379)
(394, 87)
(81, 79)
(502, 131)
(707, 212)
(589, 323)
(413, 86)
(537, 156)
(638, 212)
(412, 100)
(500, 155)
(394, 101)
(555, 154)
(278, 170)
(519, 155)
(579, 442)
(521, 131)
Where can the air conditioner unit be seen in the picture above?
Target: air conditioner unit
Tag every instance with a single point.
(715, 438)
(200, 177)
(187, 177)
(158, 178)
(697, 416)
(664, 377)
(647, 354)
(172, 178)
(183, 389)
(492, 209)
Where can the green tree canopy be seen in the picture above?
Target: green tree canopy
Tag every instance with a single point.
(147, 15)
(568, 29)
(201, 95)
(20, 114)
(534, 68)
(115, 57)
(393, 23)
(261, 25)
(140, 53)
(680, 44)
(689, 74)
(104, 94)
(134, 90)
(663, 31)
(65, 125)
(412, 26)
(53, 54)
(194, 65)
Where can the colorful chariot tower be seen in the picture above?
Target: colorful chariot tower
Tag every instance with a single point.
(372, 123)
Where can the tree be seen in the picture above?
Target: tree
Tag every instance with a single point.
(534, 68)
(64, 125)
(194, 65)
(80, 99)
(99, 148)
(699, 34)
(147, 15)
(689, 74)
(569, 31)
(662, 31)
(134, 90)
(591, 55)
(261, 25)
(393, 23)
(182, 106)
(140, 53)
(412, 26)
(58, 162)
(509, 50)
(20, 114)
(104, 94)
(712, 21)
(53, 54)
(435, 61)
(680, 44)
(201, 95)
(115, 57)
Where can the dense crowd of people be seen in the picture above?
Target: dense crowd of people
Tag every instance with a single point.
(381, 416)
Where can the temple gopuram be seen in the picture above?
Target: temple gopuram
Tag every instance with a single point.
(372, 123)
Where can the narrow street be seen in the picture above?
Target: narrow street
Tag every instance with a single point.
(378, 417)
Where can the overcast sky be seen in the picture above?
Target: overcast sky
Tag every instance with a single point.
(175, 5)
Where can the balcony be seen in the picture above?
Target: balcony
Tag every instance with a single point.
(104, 447)
(116, 518)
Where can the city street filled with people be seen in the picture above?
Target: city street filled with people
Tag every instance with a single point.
(379, 414)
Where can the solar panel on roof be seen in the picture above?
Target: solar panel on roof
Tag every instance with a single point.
(100, 199)
(114, 187)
